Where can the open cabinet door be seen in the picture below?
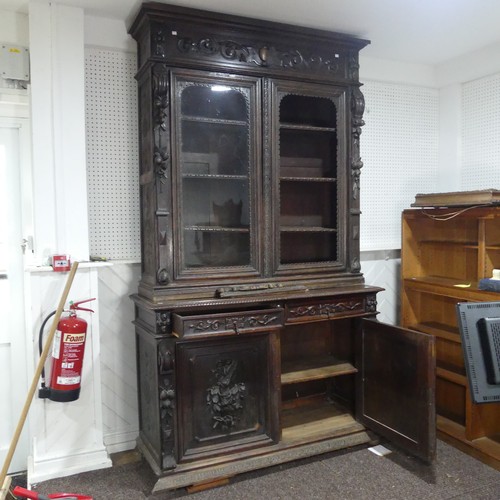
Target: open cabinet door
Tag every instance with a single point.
(396, 386)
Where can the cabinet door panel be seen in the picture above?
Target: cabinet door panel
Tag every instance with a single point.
(227, 397)
(216, 174)
(396, 386)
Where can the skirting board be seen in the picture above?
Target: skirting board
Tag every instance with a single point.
(51, 468)
(117, 442)
(176, 480)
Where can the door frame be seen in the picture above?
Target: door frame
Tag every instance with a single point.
(14, 115)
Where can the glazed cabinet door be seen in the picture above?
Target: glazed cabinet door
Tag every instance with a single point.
(217, 174)
(396, 386)
(308, 174)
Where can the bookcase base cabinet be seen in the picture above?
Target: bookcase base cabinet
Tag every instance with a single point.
(231, 387)
(445, 253)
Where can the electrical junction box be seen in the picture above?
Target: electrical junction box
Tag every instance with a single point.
(14, 62)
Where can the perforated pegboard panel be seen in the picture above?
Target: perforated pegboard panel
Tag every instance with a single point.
(112, 154)
(399, 150)
(480, 133)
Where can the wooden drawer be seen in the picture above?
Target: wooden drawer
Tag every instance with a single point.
(297, 312)
(227, 323)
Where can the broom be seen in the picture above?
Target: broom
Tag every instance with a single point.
(5, 481)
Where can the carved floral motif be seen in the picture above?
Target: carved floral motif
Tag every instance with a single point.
(226, 397)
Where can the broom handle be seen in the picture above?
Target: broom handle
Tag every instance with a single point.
(37, 374)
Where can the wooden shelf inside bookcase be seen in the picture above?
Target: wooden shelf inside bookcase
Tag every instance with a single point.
(448, 287)
(319, 420)
(436, 329)
(315, 368)
(486, 449)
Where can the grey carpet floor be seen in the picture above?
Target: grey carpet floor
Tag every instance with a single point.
(355, 474)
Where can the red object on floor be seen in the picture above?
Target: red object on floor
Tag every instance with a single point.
(24, 493)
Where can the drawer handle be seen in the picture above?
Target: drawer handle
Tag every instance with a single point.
(235, 327)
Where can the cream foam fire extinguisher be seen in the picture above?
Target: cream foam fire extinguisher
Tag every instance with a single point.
(68, 349)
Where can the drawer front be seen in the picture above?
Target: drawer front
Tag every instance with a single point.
(228, 323)
(298, 312)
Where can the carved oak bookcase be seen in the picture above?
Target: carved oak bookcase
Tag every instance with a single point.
(256, 336)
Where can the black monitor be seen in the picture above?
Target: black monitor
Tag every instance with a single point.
(479, 324)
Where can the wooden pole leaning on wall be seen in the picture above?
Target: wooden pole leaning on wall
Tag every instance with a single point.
(4, 480)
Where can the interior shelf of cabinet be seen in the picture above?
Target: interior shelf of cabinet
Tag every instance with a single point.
(308, 179)
(224, 229)
(487, 444)
(456, 284)
(467, 244)
(437, 329)
(316, 368)
(216, 177)
(470, 245)
(294, 126)
(215, 121)
(451, 373)
(317, 421)
(305, 229)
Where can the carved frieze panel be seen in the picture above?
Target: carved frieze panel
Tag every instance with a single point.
(234, 323)
(215, 48)
(345, 306)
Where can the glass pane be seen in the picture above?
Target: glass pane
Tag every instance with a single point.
(308, 183)
(215, 187)
(214, 101)
(216, 248)
(307, 153)
(215, 202)
(214, 148)
(307, 204)
(297, 247)
(306, 110)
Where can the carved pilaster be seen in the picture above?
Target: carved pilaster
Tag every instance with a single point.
(357, 110)
(161, 106)
(166, 397)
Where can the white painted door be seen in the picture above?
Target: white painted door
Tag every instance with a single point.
(13, 385)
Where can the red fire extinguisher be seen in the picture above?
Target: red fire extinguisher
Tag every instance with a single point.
(67, 356)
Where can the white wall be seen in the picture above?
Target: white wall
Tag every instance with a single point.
(381, 266)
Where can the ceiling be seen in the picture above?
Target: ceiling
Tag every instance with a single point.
(416, 31)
